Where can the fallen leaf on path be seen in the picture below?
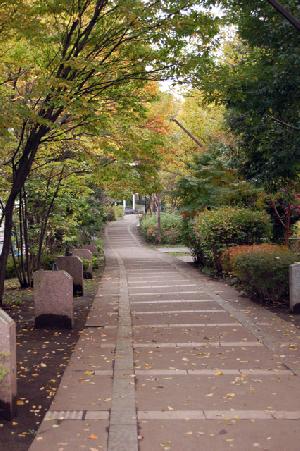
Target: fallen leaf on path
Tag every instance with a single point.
(229, 395)
(166, 445)
(93, 437)
(219, 373)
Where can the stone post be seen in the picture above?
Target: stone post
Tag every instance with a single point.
(8, 373)
(295, 287)
(85, 254)
(92, 247)
(53, 299)
(73, 266)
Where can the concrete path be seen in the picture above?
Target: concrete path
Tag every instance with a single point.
(166, 363)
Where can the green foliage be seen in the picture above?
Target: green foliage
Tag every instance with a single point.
(74, 85)
(10, 269)
(213, 231)
(296, 229)
(113, 212)
(3, 370)
(211, 182)
(97, 261)
(109, 212)
(86, 264)
(118, 211)
(3, 373)
(99, 244)
(265, 274)
(171, 228)
(258, 79)
(48, 261)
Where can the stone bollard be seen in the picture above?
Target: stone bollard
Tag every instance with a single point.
(85, 254)
(8, 373)
(73, 266)
(295, 287)
(53, 299)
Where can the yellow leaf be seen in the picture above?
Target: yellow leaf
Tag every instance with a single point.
(229, 395)
(219, 373)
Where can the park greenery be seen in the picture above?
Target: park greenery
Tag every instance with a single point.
(85, 122)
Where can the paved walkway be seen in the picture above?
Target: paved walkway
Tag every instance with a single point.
(165, 363)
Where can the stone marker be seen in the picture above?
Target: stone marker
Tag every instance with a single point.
(85, 254)
(53, 299)
(8, 374)
(295, 287)
(92, 247)
(73, 266)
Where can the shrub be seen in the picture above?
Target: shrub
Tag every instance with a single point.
(97, 261)
(118, 211)
(265, 273)
(109, 213)
(229, 256)
(10, 272)
(215, 230)
(171, 228)
(47, 261)
(3, 373)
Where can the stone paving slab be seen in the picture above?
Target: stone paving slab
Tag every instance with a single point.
(184, 334)
(187, 293)
(218, 435)
(216, 317)
(88, 351)
(70, 435)
(171, 306)
(209, 392)
(92, 357)
(168, 297)
(233, 358)
(79, 391)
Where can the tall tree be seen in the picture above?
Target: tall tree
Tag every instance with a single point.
(67, 65)
(257, 77)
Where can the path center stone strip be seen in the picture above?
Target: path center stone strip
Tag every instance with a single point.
(123, 434)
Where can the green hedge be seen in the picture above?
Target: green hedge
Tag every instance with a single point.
(265, 274)
(113, 212)
(215, 230)
(171, 228)
(10, 272)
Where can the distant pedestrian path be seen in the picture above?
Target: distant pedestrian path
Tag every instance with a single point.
(164, 363)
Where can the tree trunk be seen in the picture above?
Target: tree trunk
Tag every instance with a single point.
(287, 231)
(8, 224)
(45, 219)
(158, 208)
(20, 177)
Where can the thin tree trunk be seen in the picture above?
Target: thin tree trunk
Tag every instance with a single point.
(8, 224)
(46, 219)
(21, 247)
(20, 177)
(158, 208)
(26, 237)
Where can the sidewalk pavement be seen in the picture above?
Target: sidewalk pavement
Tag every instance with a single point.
(170, 360)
